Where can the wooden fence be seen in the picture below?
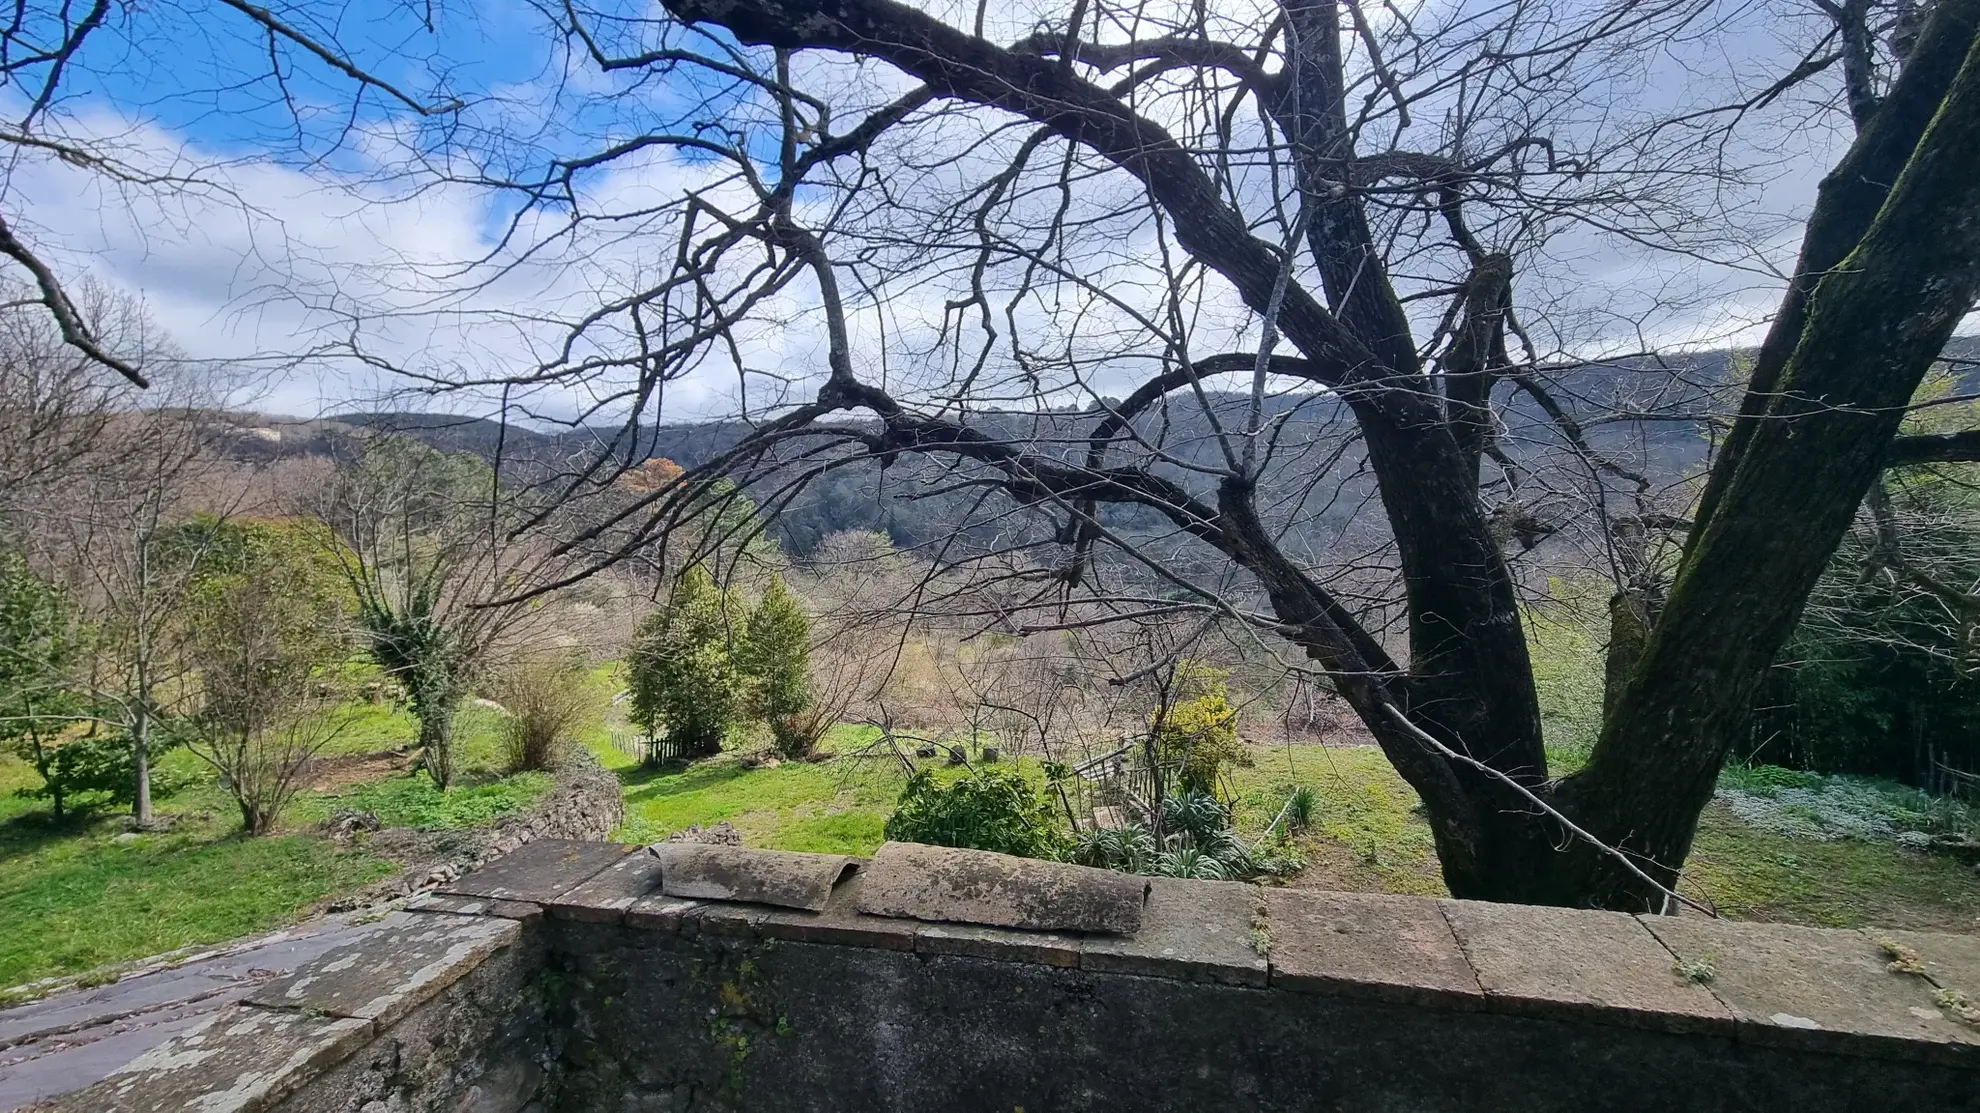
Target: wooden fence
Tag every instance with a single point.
(649, 750)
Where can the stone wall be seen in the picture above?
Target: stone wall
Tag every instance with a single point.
(586, 803)
(578, 977)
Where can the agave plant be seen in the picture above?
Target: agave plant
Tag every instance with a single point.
(1224, 845)
(1197, 814)
(1300, 809)
(1191, 862)
(1130, 848)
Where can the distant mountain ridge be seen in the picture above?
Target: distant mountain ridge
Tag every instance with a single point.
(1666, 441)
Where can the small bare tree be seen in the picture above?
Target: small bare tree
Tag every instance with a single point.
(126, 532)
(57, 405)
(268, 622)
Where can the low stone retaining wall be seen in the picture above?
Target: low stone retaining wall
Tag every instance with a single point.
(573, 976)
(586, 803)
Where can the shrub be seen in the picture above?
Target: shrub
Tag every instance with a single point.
(83, 771)
(548, 700)
(1197, 738)
(87, 770)
(681, 673)
(984, 809)
(266, 623)
(265, 767)
(775, 657)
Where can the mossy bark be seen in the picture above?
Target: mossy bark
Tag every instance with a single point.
(1874, 323)
(1883, 275)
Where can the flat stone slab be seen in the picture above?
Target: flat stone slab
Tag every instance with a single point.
(1371, 945)
(605, 898)
(723, 918)
(382, 976)
(1194, 930)
(1810, 987)
(659, 912)
(1563, 961)
(243, 1060)
(475, 906)
(537, 871)
(1040, 948)
(944, 884)
(69, 1012)
(841, 922)
(1950, 961)
(780, 877)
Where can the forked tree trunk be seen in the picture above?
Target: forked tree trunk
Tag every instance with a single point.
(1882, 283)
(1875, 324)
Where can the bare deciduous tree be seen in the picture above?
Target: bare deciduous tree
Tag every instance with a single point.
(49, 49)
(1057, 271)
(126, 534)
(425, 539)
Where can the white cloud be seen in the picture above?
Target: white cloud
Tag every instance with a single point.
(271, 260)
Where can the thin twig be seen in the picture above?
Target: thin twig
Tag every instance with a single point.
(1466, 759)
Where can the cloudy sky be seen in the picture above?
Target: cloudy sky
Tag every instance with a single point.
(289, 217)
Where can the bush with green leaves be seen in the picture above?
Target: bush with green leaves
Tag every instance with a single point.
(38, 707)
(266, 632)
(86, 771)
(1196, 738)
(775, 658)
(984, 809)
(681, 671)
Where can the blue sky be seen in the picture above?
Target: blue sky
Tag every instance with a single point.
(306, 213)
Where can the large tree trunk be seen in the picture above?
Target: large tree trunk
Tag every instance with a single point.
(1850, 197)
(1873, 327)
(1461, 723)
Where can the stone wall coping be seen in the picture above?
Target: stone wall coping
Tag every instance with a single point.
(1867, 993)
(946, 885)
(1580, 966)
(251, 1055)
(705, 871)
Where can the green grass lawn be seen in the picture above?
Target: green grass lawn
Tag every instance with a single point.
(1366, 838)
(836, 806)
(74, 897)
